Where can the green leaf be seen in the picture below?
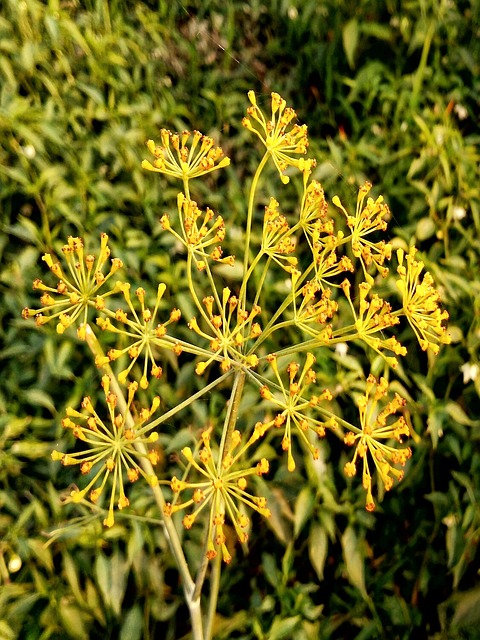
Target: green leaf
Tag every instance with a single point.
(426, 228)
(435, 422)
(6, 632)
(31, 450)
(456, 412)
(73, 620)
(467, 611)
(317, 548)
(40, 398)
(303, 509)
(270, 569)
(281, 629)
(350, 40)
(111, 574)
(354, 560)
(132, 627)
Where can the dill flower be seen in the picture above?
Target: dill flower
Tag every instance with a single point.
(281, 139)
(142, 332)
(185, 155)
(314, 311)
(367, 219)
(295, 407)
(229, 330)
(220, 490)
(78, 288)
(371, 439)
(277, 237)
(374, 315)
(314, 208)
(113, 447)
(200, 230)
(421, 302)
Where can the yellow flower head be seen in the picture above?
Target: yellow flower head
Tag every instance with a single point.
(421, 302)
(373, 317)
(295, 407)
(78, 287)
(277, 240)
(185, 155)
(142, 331)
(282, 139)
(313, 311)
(230, 329)
(221, 488)
(369, 218)
(111, 447)
(378, 426)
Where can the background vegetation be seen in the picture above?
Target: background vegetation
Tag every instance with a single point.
(390, 93)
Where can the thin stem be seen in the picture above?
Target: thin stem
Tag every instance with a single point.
(46, 231)
(271, 326)
(232, 415)
(418, 78)
(214, 591)
(251, 202)
(188, 401)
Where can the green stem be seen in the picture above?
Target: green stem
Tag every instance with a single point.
(232, 415)
(214, 591)
(418, 79)
(188, 401)
(46, 231)
(248, 230)
(270, 327)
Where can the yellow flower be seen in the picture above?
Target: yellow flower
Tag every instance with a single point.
(277, 239)
(185, 156)
(282, 139)
(371, 439)
(295, 407)
(142, 332)
(111, 448)
(221, 489)
(367, 219)
(312, 311)
(421, 302)
(374, 316)
(230, 330)
(78, 288)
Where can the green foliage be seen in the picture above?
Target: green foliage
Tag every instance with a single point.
(390, 92)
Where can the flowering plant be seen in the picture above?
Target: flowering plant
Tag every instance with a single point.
(330, 262)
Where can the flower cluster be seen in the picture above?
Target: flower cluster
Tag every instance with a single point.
(246, 331)
(197, 234)
(115, 447)
(277, 239)
(282, 139)
(371, 440)
(313, 311)
(367, 220)
(374, 316)
(230, 329)
(294, 408)
(421, 302)
(77, 289)
(221, 488)
(185, 156)
(142, 332)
